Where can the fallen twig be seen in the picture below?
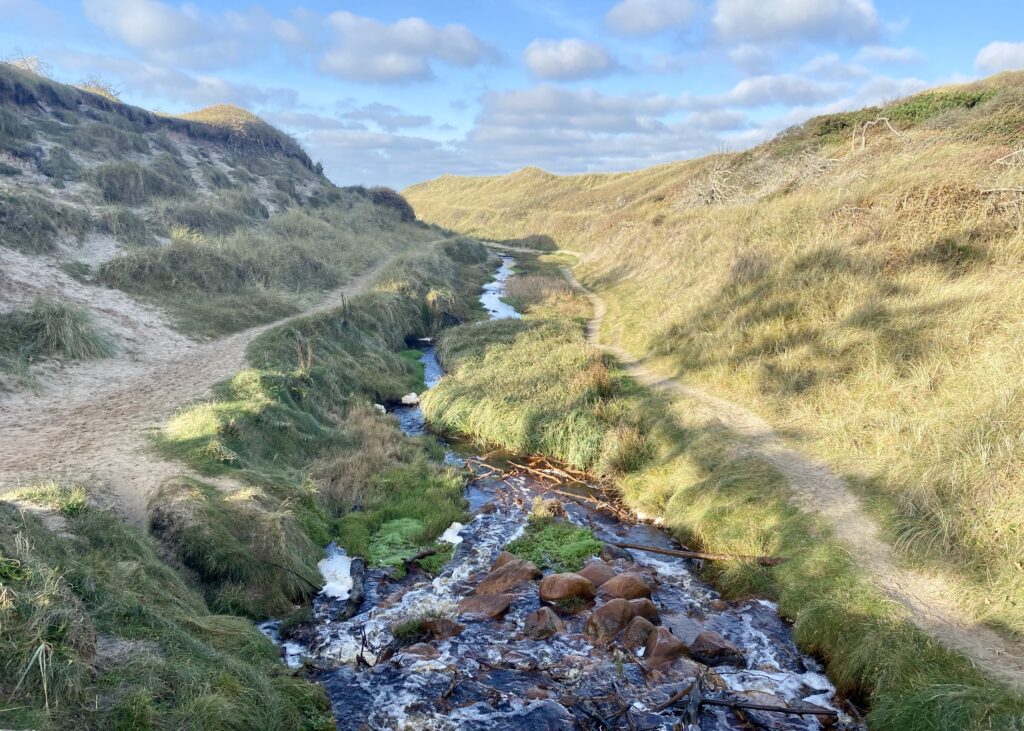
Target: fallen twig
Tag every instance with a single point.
(748, 706)
(760, 560)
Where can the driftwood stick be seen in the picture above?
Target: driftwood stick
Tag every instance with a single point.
(747, 706)
(539, 473)
(674, 699)
(422, 554)
(760, 560)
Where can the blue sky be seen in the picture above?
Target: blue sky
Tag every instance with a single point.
(397, 92)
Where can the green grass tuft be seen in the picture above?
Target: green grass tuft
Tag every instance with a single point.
(555, 544)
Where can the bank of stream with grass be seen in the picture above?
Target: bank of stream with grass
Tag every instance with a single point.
(535, 387)
(103, 626)
(467, 642)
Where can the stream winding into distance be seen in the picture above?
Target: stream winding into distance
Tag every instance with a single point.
(490, 676)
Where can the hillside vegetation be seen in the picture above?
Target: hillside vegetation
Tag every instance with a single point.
(537, 385)
(858, 286)
(215, 217)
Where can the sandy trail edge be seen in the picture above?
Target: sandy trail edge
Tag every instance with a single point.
(101, 435)
(819, 490)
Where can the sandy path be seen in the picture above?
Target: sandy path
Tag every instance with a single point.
(817, 489)
(92, 425)
(927, 597)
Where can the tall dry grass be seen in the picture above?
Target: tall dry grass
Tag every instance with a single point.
(867, 301)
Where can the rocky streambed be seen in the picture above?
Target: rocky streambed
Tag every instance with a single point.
(631, 640)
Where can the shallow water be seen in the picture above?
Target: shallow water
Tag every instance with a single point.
(490, 676)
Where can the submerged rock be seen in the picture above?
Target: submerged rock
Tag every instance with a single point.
(608, 620)
(442, 629)
(542, 624)
(626, 586)
(636, 633)
(647, 609)
(614, 553)
(662, 647)
(711, 648)
(563, 587)
(598, 572)
(491, 606)
(423, 650)
(510, 572)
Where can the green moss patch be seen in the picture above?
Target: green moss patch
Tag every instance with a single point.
(557, 545)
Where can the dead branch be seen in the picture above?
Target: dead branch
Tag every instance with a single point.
(1013, 159)
(748, 706)
(863, 130)
(1002, 190)
(760, 560)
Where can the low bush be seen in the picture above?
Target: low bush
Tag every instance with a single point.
(49, 328)
(35, 225)
(388, 198)
(131, 183)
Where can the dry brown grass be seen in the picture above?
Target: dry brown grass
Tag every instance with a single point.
(867, 301)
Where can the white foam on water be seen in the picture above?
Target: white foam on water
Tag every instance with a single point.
(336, 569)
(452, 534)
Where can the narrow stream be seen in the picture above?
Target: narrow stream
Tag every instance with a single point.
(492, 676)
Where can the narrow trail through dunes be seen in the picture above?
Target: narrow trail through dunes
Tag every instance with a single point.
(817, 489)
(95, 429)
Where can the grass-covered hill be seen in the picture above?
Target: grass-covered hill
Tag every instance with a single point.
(855, 281)
(215, 217)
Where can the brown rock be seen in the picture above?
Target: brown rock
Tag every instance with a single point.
(489, 605)
(626, 586)
(510, 573)
(636, 633)
(560, 587)
(711, 648)
(542, 624)
(608, 620)
(441, 629)
(647, 609)
(614, 553)
(598, 572)
(503, 558)
(486, 509)
(422, 649)
(536, 693)
(719, 606)
(662, 647)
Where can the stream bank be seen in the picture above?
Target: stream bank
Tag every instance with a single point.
(481, 662)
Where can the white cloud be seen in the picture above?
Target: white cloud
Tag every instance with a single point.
(585, 110)
(781, 20)
(387, 117)
(888, 55)
(830, 66)
(781, 89)
(570, 58)
(1000, 56)
(149, 80)
(647, 17)
(752, 59)
(164, 33)
(368, 50)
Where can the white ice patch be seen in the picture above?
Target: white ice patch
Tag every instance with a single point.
(337, 572)
(379, 408)
(452, 534)
(410, 399)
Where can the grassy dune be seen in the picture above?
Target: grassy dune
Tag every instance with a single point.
(861, 292)
(507, 386)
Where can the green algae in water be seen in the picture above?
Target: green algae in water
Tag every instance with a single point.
(555, 544)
